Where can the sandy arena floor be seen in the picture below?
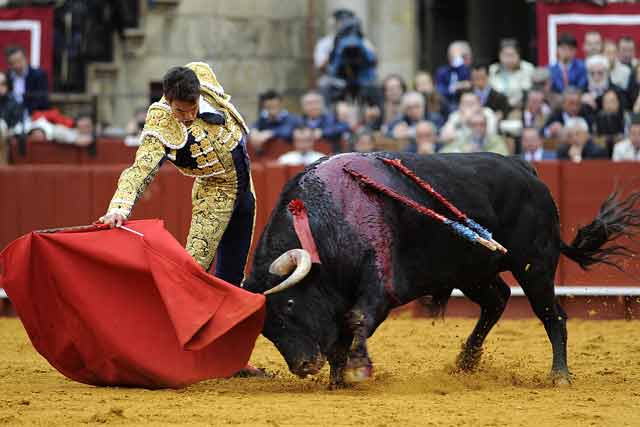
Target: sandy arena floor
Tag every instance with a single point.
(412, 386)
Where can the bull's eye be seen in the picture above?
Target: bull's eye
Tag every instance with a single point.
(290, 304)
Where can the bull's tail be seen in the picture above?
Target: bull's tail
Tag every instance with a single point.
(616, 218)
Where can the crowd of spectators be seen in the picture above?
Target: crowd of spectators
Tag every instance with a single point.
(573, 109)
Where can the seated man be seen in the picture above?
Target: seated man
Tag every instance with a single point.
(532, 149)
(30, 86)
(571, 107)
(579, 145)
(457, 125)
(479, 140)
(403, 126)
(303, 153)
(453, 78)
(324, 124)
(489, 97)
(274, 122)
(568, 70)
(628, 150)
(425, 141)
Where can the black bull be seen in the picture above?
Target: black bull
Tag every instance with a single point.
(377, 253)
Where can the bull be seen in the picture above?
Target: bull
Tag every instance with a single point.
(376, 254)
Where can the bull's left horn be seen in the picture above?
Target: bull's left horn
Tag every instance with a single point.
(294, 258)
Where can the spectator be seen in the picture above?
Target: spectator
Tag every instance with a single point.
(541, 79)
(620, 74)
(453, 78)
(532, 146)
(478, 140)
(338, 49)
(134, 128)
(567, 71)
(512, 75)
(302, 153)
(30, 86)
(627, 51)
(363, 141)
(458, 124)
(10, 111)
(352, 63)
(82, 134)
(634, 87)
(571, 108)
(487, 95)
(324, 124)
(425, 141)
(435, 106)
(403, 128)
(593, 44)
(371, 116)
(629, 149)
(347, 113)
(599, 83)
(609, 124)
(274, 121)
(536, 111)
(393, 88)
(579, 145)
(84, 131)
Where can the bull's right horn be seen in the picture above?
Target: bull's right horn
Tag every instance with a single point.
(294, 258)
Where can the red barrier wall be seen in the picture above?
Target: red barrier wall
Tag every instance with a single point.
(47, 196)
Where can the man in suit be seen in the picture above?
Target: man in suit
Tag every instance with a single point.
(532, 149)
(567, 71)
(571, 107)
(489, 97)
(30, 85)
(579, 145)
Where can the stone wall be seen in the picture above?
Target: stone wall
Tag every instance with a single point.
(252, 45)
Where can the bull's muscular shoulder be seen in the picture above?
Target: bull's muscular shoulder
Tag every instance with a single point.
(163, 125)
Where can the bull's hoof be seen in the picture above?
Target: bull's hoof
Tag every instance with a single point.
(469, 359)
(560, 379)
(358, 374)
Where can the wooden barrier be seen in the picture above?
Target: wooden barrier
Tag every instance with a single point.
(112, 151)
(47, 196)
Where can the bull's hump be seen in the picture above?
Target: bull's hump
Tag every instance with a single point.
(332, 171)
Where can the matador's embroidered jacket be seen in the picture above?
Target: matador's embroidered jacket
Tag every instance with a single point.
(204, 151)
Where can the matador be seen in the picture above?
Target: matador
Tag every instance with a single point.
(197, 128)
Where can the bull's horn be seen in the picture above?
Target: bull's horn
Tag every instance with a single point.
(294, 258)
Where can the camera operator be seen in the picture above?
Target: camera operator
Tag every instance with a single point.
(346, 59)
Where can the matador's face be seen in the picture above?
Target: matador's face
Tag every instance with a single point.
(185, 111)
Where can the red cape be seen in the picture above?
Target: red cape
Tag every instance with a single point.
(109, 307)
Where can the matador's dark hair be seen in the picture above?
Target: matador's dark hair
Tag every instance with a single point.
(181, 83)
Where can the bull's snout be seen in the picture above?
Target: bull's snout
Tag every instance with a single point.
(309, 367)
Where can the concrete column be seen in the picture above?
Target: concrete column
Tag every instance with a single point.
(395, 36)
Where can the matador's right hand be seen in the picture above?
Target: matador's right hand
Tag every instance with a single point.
(113, 219)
